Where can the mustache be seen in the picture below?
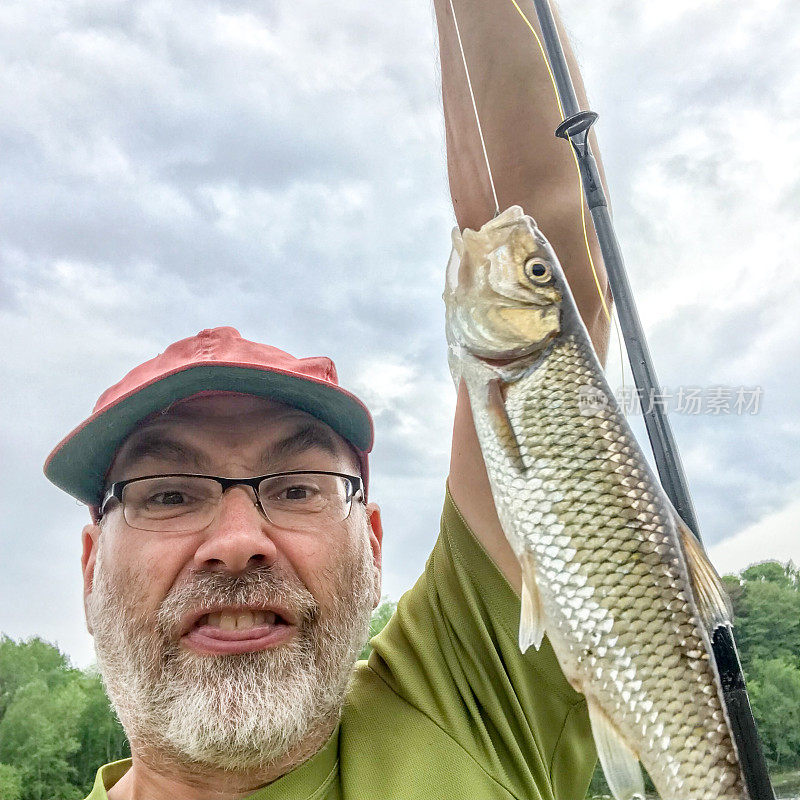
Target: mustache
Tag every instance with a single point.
(259, 586)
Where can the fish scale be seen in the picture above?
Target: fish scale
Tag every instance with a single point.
(599, 544)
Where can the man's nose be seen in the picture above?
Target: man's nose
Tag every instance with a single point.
(239, 537)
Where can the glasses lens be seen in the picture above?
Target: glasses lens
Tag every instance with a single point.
(170, 503)
(306, 501)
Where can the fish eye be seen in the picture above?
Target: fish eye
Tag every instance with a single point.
(537, 271)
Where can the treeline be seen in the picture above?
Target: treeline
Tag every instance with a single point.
(56, 726)
(766, 605)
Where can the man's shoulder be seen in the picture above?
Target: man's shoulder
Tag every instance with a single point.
(368, 688)
(376, 710)
(398, 750)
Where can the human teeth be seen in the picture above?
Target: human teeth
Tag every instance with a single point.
(244, 620)
(227, 622)
(241, 620)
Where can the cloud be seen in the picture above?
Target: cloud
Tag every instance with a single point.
(776, 536)
(279, 167)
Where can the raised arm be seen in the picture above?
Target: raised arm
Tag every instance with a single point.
(531, 168)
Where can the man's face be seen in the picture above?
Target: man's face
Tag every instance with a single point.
(231, 646)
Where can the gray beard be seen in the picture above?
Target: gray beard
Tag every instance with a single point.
(235, 712)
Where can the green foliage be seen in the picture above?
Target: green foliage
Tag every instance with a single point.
(38, 735)
(56, 726)
(100, 734)
(786, 575)
(10, 783)
(380, 616)
(774, 689)
(22, 662)
(766, 603)
(598, 787)
(767, 613)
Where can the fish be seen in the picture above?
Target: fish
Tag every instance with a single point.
(610, 573)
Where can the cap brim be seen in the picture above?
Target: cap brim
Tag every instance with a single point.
(79, 463)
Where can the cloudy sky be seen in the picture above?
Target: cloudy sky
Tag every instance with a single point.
(279, 167)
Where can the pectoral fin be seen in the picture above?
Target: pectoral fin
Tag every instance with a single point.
(712, 600)
(620, 765)
(503, 429)
(531, 620)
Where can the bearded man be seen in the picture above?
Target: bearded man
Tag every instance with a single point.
(233, 559)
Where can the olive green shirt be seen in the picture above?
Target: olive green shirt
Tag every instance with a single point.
(447, 706)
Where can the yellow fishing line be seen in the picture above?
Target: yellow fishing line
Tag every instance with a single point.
(611, 320)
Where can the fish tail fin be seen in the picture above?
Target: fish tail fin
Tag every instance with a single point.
(531, 621)
(620, 764)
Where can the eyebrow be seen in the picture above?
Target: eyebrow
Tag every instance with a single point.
(157, 445)
(309, 436)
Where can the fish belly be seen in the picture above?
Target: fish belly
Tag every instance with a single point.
(599, 546)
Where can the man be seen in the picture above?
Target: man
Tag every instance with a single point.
(233, 558)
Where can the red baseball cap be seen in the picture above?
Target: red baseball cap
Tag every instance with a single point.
(218, 359)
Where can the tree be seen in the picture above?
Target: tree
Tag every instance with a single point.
(380, 616)
(23, 662)
(786, 575)
(774, 690)
(99, 733)
(38, 737)
(767, 612)
(10, 783)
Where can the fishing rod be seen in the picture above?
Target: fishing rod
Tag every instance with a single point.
(575, 129)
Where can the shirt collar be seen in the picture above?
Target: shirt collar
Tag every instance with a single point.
(303, 782)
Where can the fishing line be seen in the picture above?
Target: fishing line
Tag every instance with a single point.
(611, 318)
(475, 109)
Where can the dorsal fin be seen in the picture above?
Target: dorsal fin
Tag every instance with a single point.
(712, 600)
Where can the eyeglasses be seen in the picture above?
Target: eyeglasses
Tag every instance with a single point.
(300, 500)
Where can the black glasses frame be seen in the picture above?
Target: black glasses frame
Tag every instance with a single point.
(116, 489)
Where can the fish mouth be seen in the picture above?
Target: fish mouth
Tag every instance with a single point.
(500, 362)
(531, 303)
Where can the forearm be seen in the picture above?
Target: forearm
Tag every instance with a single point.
(531, 168)
(519, 113)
